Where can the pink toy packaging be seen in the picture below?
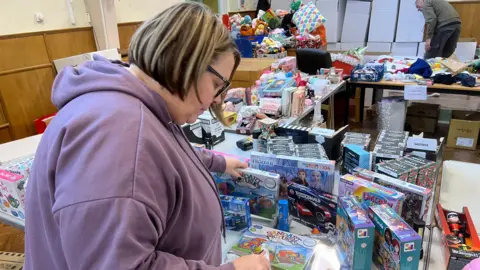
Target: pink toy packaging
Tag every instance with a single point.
(12, 189)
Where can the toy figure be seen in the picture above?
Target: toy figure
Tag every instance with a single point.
(246, 30)
(454, 222)
(388, 237)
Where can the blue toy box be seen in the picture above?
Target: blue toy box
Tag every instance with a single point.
(356, 233)
(355, 156)
(314, 173)
(260, 187)
(369, 193)
(397, 245)
(236, 211)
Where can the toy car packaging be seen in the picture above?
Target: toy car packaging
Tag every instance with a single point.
(261, 188)
(314, 173)
(356, 233)
(397, 245)
(12, 194)
(312, 208)
(236, 212)
(287, 251)
(459, 237)
(369, 193)
(417, 198)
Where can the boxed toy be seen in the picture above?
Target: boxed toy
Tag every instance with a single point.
(412, 170)
(260, 187)
(21, 166)
(397, 245)
(236, 212)
(355, 156)
(12, 194)
(356, 233)
(417, 199)
(312, 208)
(459, 237)
(315, 173)
(212, 130)
(427, 173)
(392, 170)
(389, 145)
(287, 251)
(369, 193)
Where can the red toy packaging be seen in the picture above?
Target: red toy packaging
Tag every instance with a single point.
(459, 237)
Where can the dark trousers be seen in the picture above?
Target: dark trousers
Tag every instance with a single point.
(444, 41)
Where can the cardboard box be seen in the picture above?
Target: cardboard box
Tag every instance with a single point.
(397, 245)
(334, 11)
(355, 156)
(379, 46)
(423, 117)
(312, 208)
(11, 260)
(345, 46)
(211, 128)
(383, 21)
(410, 23)
(250, 70)
(464, 129)
(417, 199)
(12, 197)
(355, 26)
(466, 48)
(356, 233)
(404, 49)
(369, 193)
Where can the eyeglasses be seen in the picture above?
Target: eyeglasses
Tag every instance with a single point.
(225, 81)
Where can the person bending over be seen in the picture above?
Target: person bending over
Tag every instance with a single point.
(115, 183)
(443, 26)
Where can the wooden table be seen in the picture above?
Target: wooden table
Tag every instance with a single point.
(250, 70)
(395, 85)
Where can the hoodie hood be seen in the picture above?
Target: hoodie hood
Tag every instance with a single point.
(103, 75)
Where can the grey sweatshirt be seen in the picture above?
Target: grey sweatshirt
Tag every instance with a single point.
(115, 185)
(438, 13)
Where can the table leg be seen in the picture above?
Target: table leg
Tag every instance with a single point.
(347, 104)
(332, 112)
(362, 103)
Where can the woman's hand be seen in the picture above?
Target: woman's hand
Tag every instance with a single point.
(252, 262)
(232, 165)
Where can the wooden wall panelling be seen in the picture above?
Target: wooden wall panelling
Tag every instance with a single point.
(468, 14)
(22, 52)
(5, 135)
(74, 42)
(125, 33)
(26, 97)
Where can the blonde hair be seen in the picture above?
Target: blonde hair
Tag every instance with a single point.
(176, 46)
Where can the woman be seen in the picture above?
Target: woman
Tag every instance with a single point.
(116, 184)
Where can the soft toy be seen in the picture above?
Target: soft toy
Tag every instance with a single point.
(261, 29)
(246, 30)
(247, 20)
(295, 5)
(235, 22)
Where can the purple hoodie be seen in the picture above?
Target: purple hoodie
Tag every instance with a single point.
(116, 185)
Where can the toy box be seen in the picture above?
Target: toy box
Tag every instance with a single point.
(212, 130)
(411, 169)
(287, 251)
(236, 212)
(369, 193)
(392, 170)
(317, 174)
(21, 166)
(260, 187)
(356, 233)
(12, 194)
(427, 170)
(355, 156)
(283, 223)
(312, 208)
(397, 245)
(459, 237)
(275, 88)
(417, 199)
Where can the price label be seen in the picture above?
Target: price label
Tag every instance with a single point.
(415, 92)
(422, 144)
